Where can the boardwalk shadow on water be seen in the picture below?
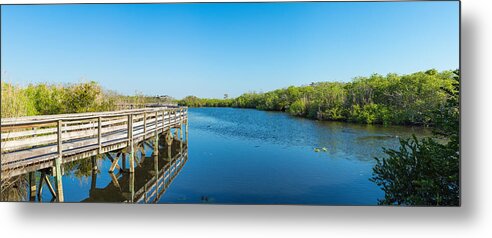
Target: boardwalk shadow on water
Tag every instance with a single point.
(89, 180)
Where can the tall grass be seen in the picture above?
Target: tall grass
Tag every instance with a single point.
(49, 99)
(15, 102)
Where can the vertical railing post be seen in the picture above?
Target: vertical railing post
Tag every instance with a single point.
(175, 115)
(180, 136)
(156, 120)
(156, 140)
(130, 128)
(99, 134)
(58, 162)
(163, 121)
(169, 114)
(187, 130)
(145, 124)
(130, 143)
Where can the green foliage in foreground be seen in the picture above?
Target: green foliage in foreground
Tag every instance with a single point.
(391, 99)
(46, 99)
(425, 172)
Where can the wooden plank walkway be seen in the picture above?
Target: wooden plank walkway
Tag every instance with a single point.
(33, 143)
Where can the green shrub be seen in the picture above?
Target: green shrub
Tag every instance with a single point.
(298, 108)
(425, 172)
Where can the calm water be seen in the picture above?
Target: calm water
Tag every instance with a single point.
(248, 156)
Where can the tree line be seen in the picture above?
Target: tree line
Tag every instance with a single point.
(396, 99)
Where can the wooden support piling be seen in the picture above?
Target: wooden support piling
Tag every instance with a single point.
(41, 181)
(114, 179)
(156, 168)
(32, 186)
(169, 152)
(131, 186)
(93, 178)
(123, 160)
(114, 163)
(94, 162)
(50, 187)
(58, 162)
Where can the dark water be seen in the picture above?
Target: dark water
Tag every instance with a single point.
(249, 156)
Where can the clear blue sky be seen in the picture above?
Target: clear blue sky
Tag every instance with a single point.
(211, 49)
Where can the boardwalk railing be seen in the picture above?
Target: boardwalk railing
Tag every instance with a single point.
(153, 176)
(124, 106)
(153, 190)
(33, 143)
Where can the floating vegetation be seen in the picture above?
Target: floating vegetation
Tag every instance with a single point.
(318, 149)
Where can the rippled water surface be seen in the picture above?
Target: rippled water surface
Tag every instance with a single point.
(250, 156)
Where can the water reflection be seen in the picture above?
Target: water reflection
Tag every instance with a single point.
(90, 180)
(147, 184)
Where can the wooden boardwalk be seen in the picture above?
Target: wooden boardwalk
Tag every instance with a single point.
(34, 143)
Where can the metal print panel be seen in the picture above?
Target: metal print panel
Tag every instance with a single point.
(312, 103)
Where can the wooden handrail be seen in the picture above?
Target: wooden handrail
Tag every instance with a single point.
(9, 122)
(39, 139)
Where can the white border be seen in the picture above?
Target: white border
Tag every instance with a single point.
(473, 219)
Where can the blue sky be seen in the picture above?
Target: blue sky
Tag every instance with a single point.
(211, 49)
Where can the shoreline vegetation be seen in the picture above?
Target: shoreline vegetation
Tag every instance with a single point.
(425, 172)
(49, 99)
(393, 99)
